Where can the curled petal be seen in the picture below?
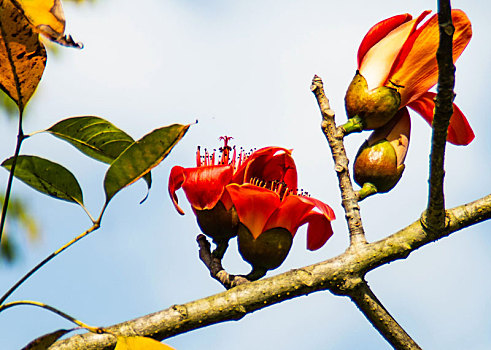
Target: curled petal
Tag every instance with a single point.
(380, 31)
(318, 231)
(268, 164)
(254, 205)
(319, 223)
(418, 72)
(176, 179)
(459, 131)
(205, 185)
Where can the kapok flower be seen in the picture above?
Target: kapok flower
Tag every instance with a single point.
(204, 185)
(396, 68)
(379, 163)
(269, 216)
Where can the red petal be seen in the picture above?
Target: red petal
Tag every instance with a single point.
(319, 229)
(204, 186)
(268, 164)
(176, 178)
(289, 215)
(380, 31)
(408, 44)
(459, 130)
(418, 72)
(254, 205)
(378, 61)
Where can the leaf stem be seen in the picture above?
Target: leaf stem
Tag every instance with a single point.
(98, 330)
(20, 138)
(46, 260)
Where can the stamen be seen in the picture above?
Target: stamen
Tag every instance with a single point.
(233, 157)
(198, 157)
(225, 149)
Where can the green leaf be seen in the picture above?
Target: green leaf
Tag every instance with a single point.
(47, 177)
(94, 136)
(45, 341)
(140, 343)
(143, 155)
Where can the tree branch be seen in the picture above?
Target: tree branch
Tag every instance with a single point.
(359, 292)
(380, 318)
(214, 265)
(335, 136)
(341, 275)
(434, 218)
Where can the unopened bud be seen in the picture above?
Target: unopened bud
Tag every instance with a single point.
(380, 160)
(370, 109)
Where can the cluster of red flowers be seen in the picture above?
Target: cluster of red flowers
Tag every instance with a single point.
(255, 197)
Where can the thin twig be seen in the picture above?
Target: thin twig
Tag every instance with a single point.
(98, 330)
(434, 218)
(46, 260)
(214, 265)
(335, 138)
(20, 138)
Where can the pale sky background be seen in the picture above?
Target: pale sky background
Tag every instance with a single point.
(243, 69)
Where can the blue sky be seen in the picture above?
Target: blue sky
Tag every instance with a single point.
(242, 69)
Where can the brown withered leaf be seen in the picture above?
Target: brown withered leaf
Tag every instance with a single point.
(48, 19)
(22, 55)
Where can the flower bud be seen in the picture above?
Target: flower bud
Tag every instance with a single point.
(380, 160)
(266, 252)
(369, 109)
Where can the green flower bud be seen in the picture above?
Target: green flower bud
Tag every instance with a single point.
(368, 110)
(379, 163)
(267, 252)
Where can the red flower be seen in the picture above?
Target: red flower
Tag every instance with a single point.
(399, 55)
(269, 219)
(204, 185)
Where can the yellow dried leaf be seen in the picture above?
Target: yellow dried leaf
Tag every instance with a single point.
(140, 343)
(48, 19)
(22, 55)
(45, 15)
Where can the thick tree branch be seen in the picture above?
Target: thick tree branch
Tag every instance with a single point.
(341, 275)
(434, 218)
(335, 138)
